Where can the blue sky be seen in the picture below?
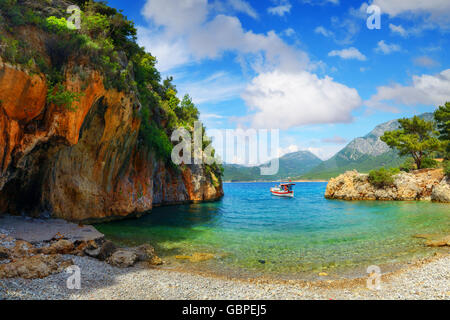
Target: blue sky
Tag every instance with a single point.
(311, 68)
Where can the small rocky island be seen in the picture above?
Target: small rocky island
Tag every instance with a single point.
(424, 184)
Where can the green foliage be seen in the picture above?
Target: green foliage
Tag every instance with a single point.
(442, 116)
(408, 165)
(57, 25)
(12, 11)
(106, 42)
(429, 163)
(415, 137)
(155, 137)
(61, 97)
(382, 177)
(446, 166)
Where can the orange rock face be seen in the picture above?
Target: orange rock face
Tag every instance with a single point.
(84, 164)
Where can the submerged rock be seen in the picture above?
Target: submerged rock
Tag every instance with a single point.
(443, 242)
(196, 257)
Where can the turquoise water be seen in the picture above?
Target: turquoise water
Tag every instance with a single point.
(251, 232)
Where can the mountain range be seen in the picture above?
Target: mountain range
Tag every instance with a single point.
(362, 153)
(290, 165)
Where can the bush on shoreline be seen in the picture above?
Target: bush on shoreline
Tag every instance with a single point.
(382, 177)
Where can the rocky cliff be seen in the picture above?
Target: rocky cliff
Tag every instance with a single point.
(88, 162)
(425, 184)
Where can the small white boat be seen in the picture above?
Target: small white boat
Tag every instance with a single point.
(283, 190)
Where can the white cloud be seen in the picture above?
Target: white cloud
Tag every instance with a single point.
(281, 9)
(386, 48)
(323, 31)
(350, 53)
(434, 11)
(398, 29)
(286, 99)
(425, 89)
(282, 94)
(176, 42)
(289, 32)
(425, 61)
(244, 7)
(176, 16)
(289, 149)
(169, 54)
(398, 7)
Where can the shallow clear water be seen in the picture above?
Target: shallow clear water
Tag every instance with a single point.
(298, 235)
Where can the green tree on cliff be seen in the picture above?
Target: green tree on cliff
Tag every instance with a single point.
(442, 116)
(416, 137)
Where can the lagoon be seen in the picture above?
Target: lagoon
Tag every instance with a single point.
(252, 233)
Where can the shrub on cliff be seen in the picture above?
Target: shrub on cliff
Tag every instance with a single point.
(382, 177)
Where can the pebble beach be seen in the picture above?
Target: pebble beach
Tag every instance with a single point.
(425, 279)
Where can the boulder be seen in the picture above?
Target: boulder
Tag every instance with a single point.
(123, 258)
(106, 250)
(61, 246)
(37, 266)
(22, 249)
(441, 192)
(145, 252)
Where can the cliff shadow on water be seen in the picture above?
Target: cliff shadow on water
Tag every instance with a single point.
(166, 224)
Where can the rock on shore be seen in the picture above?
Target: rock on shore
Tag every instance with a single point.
(425, 184)
(36, 248)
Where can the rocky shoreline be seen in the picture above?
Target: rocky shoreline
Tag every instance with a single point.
(425, 184)
(35, 248)
(36, 270)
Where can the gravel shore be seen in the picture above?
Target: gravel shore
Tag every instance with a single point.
(428, 279)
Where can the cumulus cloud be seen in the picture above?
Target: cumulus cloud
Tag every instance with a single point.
(283, 92)
(289, 99)
(197, 38)
(281, 9)
(350, 53)
(424, 89)
(386, 48)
